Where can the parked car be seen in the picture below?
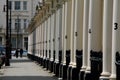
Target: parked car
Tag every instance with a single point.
(2, 56)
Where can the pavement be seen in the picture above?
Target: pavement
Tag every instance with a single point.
(25, 69)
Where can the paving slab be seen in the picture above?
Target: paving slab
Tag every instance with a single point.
(25, 69)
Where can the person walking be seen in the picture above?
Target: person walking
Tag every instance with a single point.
(16, 53)
(21, 52)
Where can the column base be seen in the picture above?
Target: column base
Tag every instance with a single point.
(68, 72)
(44, 60)
(51, 66)
(113, 77)
(56, 69)
(87, 76)
(60, 71)
(46, 64)
(81, 75)
(41, 62)
(74, 74)
(64, 72)
(104, 76)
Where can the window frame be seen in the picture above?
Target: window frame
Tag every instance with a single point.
(17, 5)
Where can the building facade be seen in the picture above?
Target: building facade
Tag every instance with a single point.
(78, 37)
(22, 11)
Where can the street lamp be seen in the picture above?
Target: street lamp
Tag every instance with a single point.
(7, 62)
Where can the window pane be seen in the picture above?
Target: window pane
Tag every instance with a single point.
(9, 4)
(24, 5)
(25, 23)
(17, 23)
(17, 5)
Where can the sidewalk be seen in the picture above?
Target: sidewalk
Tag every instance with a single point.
(24, 69)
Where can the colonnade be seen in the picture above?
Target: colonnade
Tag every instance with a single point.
(77, 39)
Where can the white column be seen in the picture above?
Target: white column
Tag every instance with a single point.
(78, 28)
(45, 39)
(89, 34)
(52, 36)
(115, 36)
(75, 33)
(68, 24)
(107, 28)
(95, 28)
(42, 39)
(72, 32)
(48, 37)
(39, 39)
(60, 29)
(57, 36)
(36, 41)
(29, 42)
(85, 34)
(65, 31)
(63, 22)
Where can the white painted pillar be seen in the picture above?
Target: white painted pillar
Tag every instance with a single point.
(35, 43)
(39, 39)
(107, 38)
(52, 36)
(60, 29)
(65, 31)
(29, 43)
(45, 23)
(48, 37)
(89, 34)
(85, 34)
(63, 22)
(42, 39)
(95, 29)
(72, 32)
(75, 33)
(68, 24)
(115, 36)
(78, 28)
(57, 36)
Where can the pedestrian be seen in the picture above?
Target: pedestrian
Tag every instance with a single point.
(21, 52)
(16, 53)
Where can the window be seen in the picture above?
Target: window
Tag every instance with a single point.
(26, 43)
(10, 5)
(25, 23)
(17, 24)
(24, 5)
(17, 5)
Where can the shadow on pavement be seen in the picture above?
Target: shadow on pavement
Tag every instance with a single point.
(28, 78)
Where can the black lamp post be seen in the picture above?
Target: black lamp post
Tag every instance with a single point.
(7, 62)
